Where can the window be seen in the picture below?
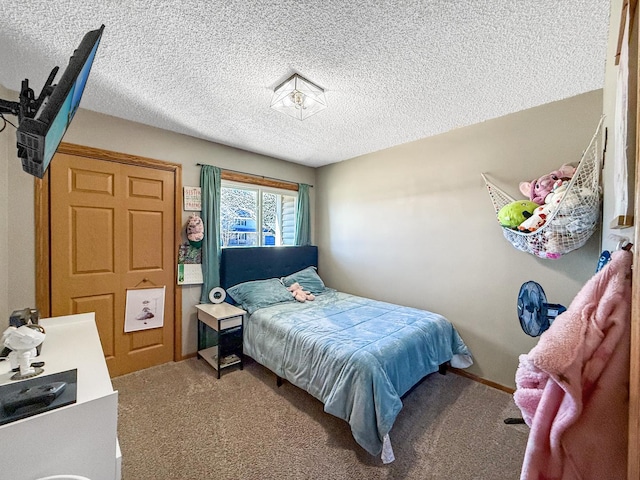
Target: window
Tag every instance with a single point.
(242, 207)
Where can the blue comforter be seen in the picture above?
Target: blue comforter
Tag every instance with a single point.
(356, 355)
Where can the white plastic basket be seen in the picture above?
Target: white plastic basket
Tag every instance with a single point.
(576, 217)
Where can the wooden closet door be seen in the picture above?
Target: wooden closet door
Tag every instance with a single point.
(112, 229)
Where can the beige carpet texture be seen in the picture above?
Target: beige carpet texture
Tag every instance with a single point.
(178, 422)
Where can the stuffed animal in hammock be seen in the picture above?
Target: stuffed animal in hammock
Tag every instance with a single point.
(537, 190)
(540, 214)
(195, 230)
(300, 294)
(514, 213)
(554, 244)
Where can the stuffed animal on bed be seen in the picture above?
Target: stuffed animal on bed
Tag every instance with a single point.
(299, 293)
(537, 190)
(514, 213)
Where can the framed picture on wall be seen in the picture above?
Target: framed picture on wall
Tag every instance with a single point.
(192, 200)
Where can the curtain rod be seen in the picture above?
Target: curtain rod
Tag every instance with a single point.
(250, 174)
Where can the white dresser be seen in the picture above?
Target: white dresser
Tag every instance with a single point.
(77, 439)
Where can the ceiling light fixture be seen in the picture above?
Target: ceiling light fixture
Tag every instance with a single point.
(298, 97)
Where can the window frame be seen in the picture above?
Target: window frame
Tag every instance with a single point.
(261, 187)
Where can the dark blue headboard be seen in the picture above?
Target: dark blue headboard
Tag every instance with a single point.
(243, 264)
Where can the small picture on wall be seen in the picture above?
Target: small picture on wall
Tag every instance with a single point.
(192, 200)
(145, 309)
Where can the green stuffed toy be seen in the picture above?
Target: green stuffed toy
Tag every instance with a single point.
(514, 213)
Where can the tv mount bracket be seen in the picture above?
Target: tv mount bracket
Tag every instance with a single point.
(28, 105)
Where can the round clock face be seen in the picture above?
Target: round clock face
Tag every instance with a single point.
(217, 295)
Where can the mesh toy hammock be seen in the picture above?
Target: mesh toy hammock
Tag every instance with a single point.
(576, 217)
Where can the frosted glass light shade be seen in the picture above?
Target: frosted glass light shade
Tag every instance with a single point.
(299, 98)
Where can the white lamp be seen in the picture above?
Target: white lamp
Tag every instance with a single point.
(298, 97)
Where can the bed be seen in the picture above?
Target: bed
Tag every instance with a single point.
(358, 356)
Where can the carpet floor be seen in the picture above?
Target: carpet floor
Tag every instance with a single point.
(178, 422)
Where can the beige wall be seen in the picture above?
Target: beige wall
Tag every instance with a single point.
(109, 133)
(414, 225)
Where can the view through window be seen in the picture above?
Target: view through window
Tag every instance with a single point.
(242, 208)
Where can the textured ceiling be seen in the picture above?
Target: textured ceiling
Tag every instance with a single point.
(393, 71)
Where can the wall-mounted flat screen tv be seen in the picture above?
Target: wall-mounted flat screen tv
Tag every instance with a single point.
(40, 136)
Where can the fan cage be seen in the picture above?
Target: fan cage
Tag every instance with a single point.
(575, 219)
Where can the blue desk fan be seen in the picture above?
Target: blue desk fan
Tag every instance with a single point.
(535, 315)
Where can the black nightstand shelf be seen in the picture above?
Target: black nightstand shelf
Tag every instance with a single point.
(220, 324)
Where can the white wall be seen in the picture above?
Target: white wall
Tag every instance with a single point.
(414, 225)
(610, 236)
(109, 133)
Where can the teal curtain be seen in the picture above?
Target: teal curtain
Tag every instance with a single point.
(303, 220)
(210, 188)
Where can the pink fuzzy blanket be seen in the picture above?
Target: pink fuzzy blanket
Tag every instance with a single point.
(573, 386)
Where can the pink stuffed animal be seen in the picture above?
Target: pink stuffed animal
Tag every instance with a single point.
(299, 294)
(195, 230)
(537, 190)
